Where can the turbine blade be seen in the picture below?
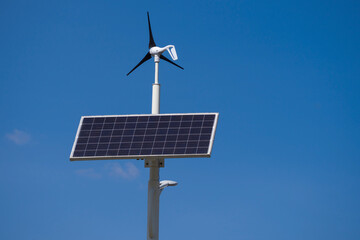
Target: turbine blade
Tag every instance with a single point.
(168, 60)
(151, 41)
(147, 57)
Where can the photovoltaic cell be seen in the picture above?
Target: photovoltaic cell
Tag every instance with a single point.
(145, 136)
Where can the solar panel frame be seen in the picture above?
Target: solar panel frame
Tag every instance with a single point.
(148, 156)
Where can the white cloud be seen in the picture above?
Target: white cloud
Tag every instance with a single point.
(115, 170)
(89, 172)
(129, 172)
(18, 137)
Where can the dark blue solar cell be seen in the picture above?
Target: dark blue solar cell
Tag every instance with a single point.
(106, 133)
(205, 137)
(202, 150)
(163, 124)
(157, 151)
(82, 140)
(110, 119)
(80, 147)
(86, 127)
(185, 124)
(175, 118)
(138, 138)
(139, 132)
(97, 126)
(104, 139)
(192, 144)
(130, 125)
(116, 139)
(103, 146)
(129, 132)
(114, 146)
(147, 145)
(198, 117)
(134, 152)
(131, 119)
(160, 138)
(100, 153)
(84, 134)
(181, 144)
(120, 119)
(136, 145)
(142, 125)
(94, 140)
(112, 152)
(171, 137)
(174, 124)
(159, 144)
(170, 144)
(152, 125)
(208, 124)
(195, 130)
(89, 153)
(182, 137)
(108, 126)
(117, 132)
(196, 124)
(206, 130)
(125, 145)
(154, 118)
(203, 143)
(145, 151)
(79, 153)
(119, 126)
(194, 137)
(164, 118)
(151, 131)
(149, 138)
(127, 139)
(91, 146)
(143, 119)
(123, 152)
(210, 117)
(95, 133)
(179, 151)
(173, 131)
(88, 120)
(161, 131)
(168, 151)
(190, 150)
(99, 120)
(187, 118)
(184, 130)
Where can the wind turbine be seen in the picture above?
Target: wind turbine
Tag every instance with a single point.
(156, 52)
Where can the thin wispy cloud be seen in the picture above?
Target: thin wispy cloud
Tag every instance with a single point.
(126, 171)
(129, 172)
(89, 172)
(18, 137)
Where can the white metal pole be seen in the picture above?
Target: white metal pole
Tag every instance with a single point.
(155, 108)
(153, 185)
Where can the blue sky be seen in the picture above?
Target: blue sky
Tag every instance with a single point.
(283, 75)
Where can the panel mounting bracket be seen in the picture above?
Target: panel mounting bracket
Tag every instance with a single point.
(160, 163)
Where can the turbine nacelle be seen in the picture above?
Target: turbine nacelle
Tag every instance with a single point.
(158, 51)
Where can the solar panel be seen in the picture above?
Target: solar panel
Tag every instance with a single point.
(144, 136)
